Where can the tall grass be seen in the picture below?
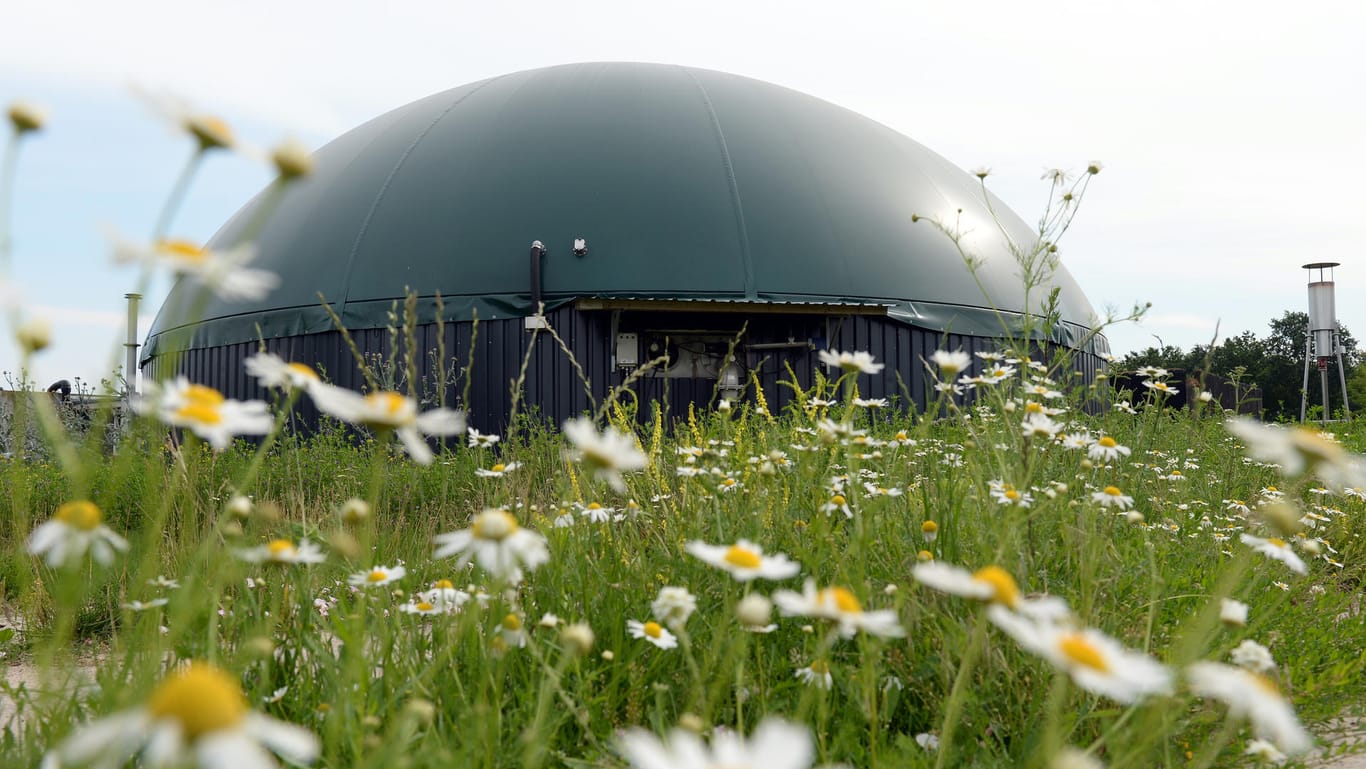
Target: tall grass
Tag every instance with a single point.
(858, 496)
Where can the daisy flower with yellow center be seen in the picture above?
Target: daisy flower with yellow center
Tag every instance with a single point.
(497, 471)
(840, 606)
(837, 503)
(1006, 494)
(388, 410)
(198, 716)
(497, 543)
(991, 583)
(1107, 449)
(478, 440)
(1095, 661)
(421, 606)
(1112, 496)
(744, 560)
(223, 272)
(512, 631)
(75, 528)
(445, 596)
(775, 744)
(1039, 427)
(1255, 697)
(272, 371)
(608, 453)
(673, 606)
(595, 512)
(204, 411)
(1161, 387)
(860, 362)
(1299, 450)
(283, 551)
(995, 374)
(653, 632)
(816, 674)
(377, 576)
(929, 530)
(950, 364)
(1276, 549)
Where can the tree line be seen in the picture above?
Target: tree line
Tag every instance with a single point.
(1274, 362)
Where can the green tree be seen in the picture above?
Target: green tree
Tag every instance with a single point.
(1275, 363)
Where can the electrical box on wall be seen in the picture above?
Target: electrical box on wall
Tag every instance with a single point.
(628, 350)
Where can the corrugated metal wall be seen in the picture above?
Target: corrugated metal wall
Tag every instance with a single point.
(553, 388)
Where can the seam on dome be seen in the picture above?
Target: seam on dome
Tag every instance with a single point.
(731, 182)
(384, 188)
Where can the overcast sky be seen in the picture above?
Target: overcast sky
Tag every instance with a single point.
(1233, 136)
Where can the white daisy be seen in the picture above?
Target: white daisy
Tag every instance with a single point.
(1040, 427)
(744, 560)
(1107, 449)
(837, 504)
(1111, 496)
(283, 551)
(445, 596)
(1298, 450)
(1161, 387)
(136, 606)
(816, 674)
(420, 605)
(1276, 549)
(198, 716)
(652, 632)
(775, 744)
(377, 576)
(1253, 656)
(673, 606)
(1233, 612)
(75, 528)
(204, 411)
(850, 361)
(479, 440)
(391, 411)
(1265, 751)
(497, 471)
(497, 543)
(841, 606)
(223, 272)
(990, 583)
(951, 364)
(1095, 661)
(608, 454)
(1255, 697)
(273, 371)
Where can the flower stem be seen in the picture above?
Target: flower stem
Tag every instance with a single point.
(954, 707)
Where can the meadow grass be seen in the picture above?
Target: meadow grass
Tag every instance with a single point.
(1031, 573)
(493, 685)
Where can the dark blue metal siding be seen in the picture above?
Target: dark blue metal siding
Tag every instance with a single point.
(554, 390)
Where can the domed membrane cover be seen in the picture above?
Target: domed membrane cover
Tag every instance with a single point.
(684, 183)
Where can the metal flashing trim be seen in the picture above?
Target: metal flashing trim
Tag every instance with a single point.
(588, 304)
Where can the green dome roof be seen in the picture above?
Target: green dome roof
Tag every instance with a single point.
(685, 183)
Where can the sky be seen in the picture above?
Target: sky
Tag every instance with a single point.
(1232, 136)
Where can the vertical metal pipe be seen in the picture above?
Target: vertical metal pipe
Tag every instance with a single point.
(1342, 380)
(130, 347)
(537, 251)
(1304, 387)
(1323, 386)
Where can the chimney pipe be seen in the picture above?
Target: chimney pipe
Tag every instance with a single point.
(130, 364)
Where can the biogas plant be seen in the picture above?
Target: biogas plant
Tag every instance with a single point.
(694, 233)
